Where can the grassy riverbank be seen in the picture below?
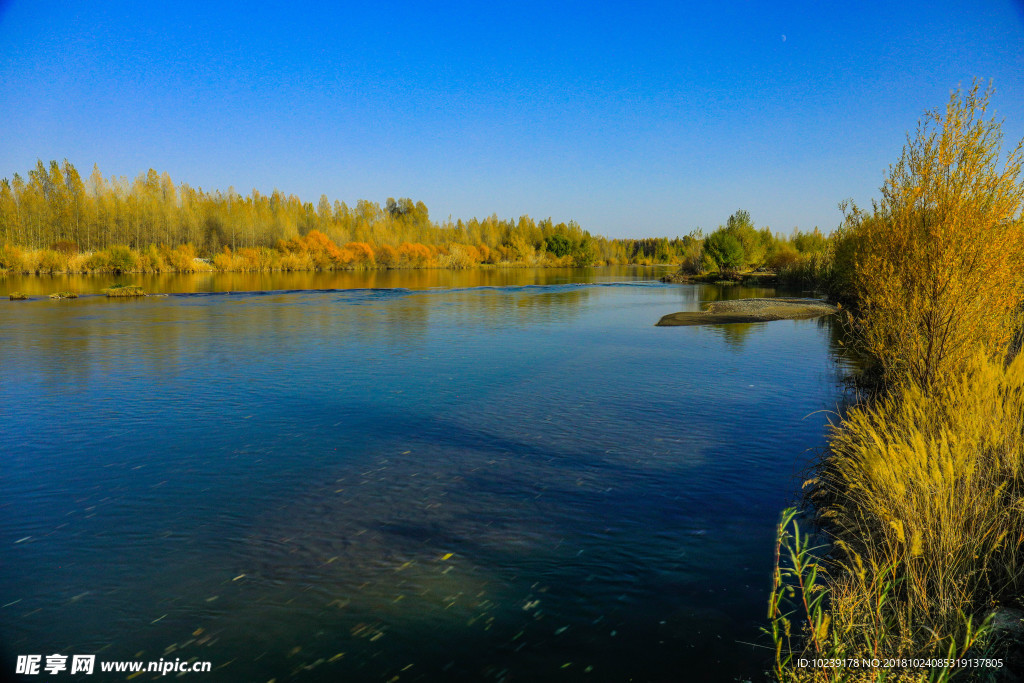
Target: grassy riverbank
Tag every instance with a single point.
(919, 500)
(312, 252)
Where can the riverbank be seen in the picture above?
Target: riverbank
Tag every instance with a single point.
(919, 493)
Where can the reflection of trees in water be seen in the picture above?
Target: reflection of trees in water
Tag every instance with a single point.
(415, 279)
(710, 293)
(516, 307)
(74, 342)
(842, 346)
(72, 345)
(735, 334)
(693, 296)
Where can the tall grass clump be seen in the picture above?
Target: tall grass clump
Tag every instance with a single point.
(849, 620)
(930, 483)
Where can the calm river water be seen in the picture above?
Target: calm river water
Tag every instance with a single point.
(487, 475)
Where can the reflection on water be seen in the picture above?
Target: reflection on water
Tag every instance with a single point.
(734, 334)
(484, 483)
(415, 279)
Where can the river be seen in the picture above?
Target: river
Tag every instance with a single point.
(504, 474)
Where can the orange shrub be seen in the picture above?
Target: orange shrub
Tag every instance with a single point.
(179, 259)
(414, 255)
(322, 251)
(362, 253)
(224, 260)
(150, 261)
(10, 258)
(485, 253)
(387, 256)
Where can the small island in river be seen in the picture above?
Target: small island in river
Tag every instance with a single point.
(750, 311)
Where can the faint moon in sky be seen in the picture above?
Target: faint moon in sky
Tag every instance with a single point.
(783, 37)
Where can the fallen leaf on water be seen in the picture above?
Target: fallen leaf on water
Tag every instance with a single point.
(446, 556)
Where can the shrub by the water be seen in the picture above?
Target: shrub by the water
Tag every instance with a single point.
(941, 262)
(931, 484)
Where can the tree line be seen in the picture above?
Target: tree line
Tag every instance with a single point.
(54, 208)
(54, 220)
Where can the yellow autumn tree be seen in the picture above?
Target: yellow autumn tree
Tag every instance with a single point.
(941, 265)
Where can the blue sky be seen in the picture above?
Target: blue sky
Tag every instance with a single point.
(634, 119)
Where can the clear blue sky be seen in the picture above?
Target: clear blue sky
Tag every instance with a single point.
(634, 119)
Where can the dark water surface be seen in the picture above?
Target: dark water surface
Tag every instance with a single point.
(509, 476)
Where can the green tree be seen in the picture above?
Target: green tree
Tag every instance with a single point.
(725, 250)
(742, 228)
(559, 245)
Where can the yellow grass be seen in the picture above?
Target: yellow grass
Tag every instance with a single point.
(924, 495)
